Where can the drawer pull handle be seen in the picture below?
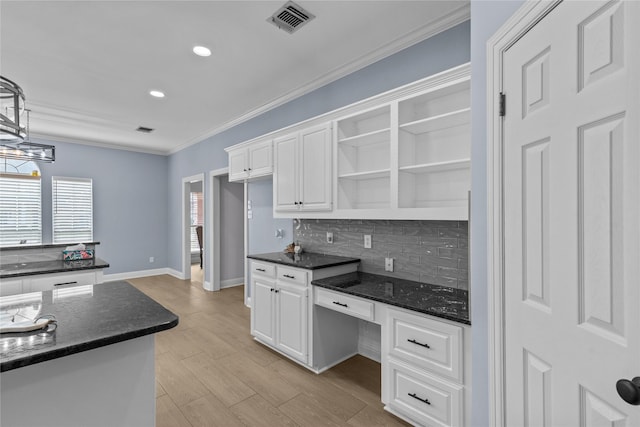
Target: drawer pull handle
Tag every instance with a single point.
(261, 269)
(340, 304)
(419, 343)
(65, 283)
(420, 399)
(289, 277)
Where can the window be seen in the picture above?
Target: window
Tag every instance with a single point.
(20, 210)
(197, 218)
(72, 210)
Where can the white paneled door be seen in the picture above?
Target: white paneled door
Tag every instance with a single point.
(571, 217)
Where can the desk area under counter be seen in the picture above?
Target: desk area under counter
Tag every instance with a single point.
(423, 332)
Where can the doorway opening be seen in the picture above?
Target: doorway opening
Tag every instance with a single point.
(226, 214)
(193, 226)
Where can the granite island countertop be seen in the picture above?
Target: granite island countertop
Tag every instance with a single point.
(306, 260)
(439, 301)
(88, 317)
(20, 269)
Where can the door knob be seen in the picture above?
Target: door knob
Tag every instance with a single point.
(629, 391)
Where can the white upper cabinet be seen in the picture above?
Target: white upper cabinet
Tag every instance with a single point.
(251, 161)
(302, 177)
(402, 154)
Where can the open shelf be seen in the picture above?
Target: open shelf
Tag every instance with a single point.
(369, 122)
(366, 174)
(374, 137)
(438, 166)
(442, 121)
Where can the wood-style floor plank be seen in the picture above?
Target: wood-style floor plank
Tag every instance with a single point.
(255, 411)
(211, 372)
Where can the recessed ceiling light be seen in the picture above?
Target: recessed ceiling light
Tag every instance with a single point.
(202, 51)
(156, 93)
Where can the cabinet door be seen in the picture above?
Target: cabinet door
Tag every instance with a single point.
(262, 310)
(10, 287)
(260, 159)
(315, 170)
(291, 321)
(238, 165)
(285, 176)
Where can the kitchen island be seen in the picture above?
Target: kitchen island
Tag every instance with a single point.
(96, 368)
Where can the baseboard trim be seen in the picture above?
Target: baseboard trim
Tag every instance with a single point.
(175, 273)
(207, 286)
(230, 283)
(136, 274)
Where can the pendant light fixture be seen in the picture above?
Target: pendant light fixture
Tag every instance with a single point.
(14, 134)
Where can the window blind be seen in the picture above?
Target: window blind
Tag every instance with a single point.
(197, 218)
(72, 207)
(20, 210)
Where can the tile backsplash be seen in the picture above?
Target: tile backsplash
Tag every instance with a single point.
(426, 251)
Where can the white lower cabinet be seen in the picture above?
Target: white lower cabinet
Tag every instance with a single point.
(423, 367)
(48, 282)
(281, 310)
(10, 287)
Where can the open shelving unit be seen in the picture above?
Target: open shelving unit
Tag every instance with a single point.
(409, 157)
(363, 151)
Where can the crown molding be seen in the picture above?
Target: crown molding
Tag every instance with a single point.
(95, 143)
(444, 23)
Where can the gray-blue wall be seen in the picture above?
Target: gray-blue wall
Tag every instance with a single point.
(443, 51)
(486, 18)
(129, 202)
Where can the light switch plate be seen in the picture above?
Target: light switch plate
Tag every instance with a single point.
(388, 264)
(367, 241)
(329, 237)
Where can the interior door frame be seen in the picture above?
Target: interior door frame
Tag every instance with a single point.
(526, 17)
(186, 231)
(213, 237)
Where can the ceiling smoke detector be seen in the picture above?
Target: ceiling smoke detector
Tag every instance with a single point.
(290, 17)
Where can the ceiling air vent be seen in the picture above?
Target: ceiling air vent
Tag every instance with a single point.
(144, 129)
(290, 17)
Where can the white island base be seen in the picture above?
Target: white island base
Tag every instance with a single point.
(109, 386)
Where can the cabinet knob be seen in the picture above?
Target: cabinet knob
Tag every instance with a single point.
(299, 203)
(244, 170)
(629, 391)
(249, 168)
(276, 291)
(295, 203)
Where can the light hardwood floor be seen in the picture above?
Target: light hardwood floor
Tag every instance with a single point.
(210, 371)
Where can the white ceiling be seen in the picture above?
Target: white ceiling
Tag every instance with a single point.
(87, 67)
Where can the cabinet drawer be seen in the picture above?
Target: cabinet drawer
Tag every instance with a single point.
(429, 344)
(47, 283)
(263, 269)
(353, 306)
(426, 399)
(292, 275)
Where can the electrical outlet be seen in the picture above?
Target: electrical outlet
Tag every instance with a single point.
(329, 237)
(152, 259)
(388, 264)
(367, 241)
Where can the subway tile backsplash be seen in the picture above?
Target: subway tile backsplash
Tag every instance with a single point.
(425, 251)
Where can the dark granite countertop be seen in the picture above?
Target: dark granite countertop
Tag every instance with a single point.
(88, 317)
(47, 267)
(45, 246)
(440, 301)
(307, 260)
